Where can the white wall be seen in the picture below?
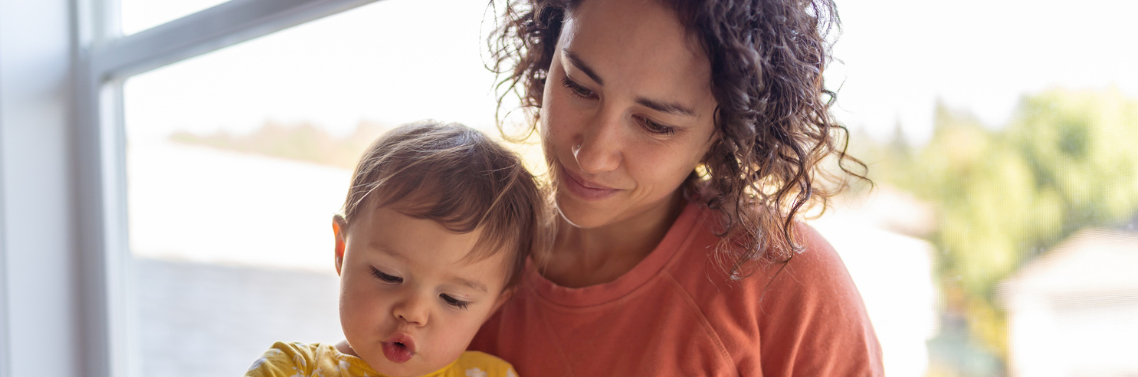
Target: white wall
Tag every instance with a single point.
(39, 299)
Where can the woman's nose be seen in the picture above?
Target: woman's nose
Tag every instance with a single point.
(599, 146)
(412, 309)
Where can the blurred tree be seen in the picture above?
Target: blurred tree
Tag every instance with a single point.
(1079, 148)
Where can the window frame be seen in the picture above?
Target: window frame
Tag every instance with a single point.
(105, 59)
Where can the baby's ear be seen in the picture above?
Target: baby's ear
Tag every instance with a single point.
(339, 227)
(503, 297)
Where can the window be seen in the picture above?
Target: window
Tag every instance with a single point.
(236, 161)
(217, 138)
(224, 162)
(139, 15)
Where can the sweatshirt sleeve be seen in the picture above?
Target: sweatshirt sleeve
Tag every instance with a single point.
(813, 321)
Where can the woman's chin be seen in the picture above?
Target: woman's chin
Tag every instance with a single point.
(576, 216)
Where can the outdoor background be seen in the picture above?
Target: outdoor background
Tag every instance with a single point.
(999, 239)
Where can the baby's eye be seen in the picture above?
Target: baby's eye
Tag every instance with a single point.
(454, 301)
(385, 277)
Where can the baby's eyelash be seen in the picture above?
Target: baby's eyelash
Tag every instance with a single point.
(454, 301)
(385, 277)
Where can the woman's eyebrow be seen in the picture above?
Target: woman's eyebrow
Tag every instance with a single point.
(666, 107)
(580, 64)
(661, 106)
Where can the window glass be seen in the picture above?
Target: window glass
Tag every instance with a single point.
(999, 237)
(139, 15)
(238, 159)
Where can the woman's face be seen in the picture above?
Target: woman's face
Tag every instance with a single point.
(627, 112)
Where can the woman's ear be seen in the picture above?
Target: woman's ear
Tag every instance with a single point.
(714, 140)
(339, 227)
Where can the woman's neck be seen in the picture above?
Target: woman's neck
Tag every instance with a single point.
(589, 256)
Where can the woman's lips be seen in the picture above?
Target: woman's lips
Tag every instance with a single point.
(399, 348)
(583, 189)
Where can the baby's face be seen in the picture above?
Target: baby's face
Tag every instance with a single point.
(409, 302)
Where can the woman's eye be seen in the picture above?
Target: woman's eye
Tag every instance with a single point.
(385, 277)
(656, 128)
(454, 301)
(577, 89)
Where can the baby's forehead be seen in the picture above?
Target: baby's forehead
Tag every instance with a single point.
(488, 244)
(494, 240)
(490, 262)
(481, 266)
(477, 283)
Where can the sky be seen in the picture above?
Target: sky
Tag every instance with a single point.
(899, 57)
(396, 61)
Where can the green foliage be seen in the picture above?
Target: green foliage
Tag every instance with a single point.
(1080, 149)
(1064, 162)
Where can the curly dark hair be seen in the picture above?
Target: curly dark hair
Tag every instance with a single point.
(773, 121)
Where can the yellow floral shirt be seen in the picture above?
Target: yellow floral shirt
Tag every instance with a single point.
(324, 360)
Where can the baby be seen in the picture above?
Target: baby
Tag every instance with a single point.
(435, 231)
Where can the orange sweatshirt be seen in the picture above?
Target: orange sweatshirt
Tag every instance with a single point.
(676, 314)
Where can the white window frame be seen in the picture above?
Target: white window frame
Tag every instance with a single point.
(105, 60)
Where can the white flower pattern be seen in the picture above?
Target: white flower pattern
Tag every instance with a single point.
(257, 364)
(475, 372)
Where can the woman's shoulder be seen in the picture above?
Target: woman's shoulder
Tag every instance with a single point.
(703, 245)
(806, 304)
(816, 268)
(816, 260)
(811, 306)
(813, 275)
(765, 289)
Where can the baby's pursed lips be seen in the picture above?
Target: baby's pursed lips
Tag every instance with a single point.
(402, 340)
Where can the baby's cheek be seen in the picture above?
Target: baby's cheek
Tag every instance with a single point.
(362, 311)
(458, 335)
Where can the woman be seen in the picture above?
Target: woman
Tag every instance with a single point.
(683, 139)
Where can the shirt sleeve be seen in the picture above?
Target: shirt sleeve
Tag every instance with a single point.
(813, 320)
(281, 360)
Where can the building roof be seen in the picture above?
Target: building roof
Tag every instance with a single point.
(1092, 264)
